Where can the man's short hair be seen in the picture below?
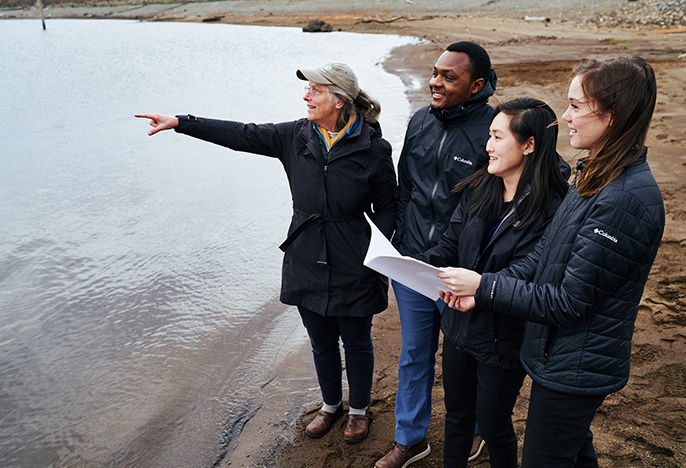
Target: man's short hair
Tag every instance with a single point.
(478, 57)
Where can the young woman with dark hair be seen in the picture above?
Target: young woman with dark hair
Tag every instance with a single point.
(580, 287)
(503, 211)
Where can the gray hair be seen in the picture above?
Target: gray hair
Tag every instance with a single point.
(368, 107)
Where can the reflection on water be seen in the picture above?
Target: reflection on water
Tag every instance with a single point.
(139, 276)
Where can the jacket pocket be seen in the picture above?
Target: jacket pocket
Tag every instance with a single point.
(552, 332)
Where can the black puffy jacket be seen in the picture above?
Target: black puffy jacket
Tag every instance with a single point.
(580, 287)
(441, 148)
(490, 337)
(328, 235)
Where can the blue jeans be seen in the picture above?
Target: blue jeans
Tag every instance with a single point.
(420, 320)
(355, 332)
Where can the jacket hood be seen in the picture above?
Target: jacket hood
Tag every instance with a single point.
(476, 101)
(376, 127)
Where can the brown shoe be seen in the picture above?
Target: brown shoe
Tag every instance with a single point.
(477, 445)
(403, 455)
(357, 428)
(323, 422)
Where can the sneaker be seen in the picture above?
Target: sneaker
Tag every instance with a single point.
(477, 446)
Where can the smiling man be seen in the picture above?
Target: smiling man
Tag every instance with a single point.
(444, 143)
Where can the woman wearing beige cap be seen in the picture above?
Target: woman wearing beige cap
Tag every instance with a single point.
(338, 167)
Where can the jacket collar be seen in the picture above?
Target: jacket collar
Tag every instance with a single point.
(581, 163)
(507, 221)
(509, 217)
(349, 129)
(358, 139)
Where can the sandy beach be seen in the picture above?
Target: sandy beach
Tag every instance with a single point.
(644, 424)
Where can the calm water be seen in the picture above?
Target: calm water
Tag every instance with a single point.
(139, 276)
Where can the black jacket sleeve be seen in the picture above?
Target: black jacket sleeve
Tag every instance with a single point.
(265, 139)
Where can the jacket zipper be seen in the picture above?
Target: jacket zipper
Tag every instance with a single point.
(326, 162)
(549, 344)
(432, 230)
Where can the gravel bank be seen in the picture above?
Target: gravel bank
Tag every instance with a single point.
(602, 12)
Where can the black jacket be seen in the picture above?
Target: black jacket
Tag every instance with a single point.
(580, 287)
(441, 148)
(490, 337)
(328, 235)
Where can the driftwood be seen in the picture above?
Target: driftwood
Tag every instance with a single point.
(396, 18)
(669, 31)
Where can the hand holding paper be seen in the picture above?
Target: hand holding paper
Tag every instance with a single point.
(385, 259)
(459, 281)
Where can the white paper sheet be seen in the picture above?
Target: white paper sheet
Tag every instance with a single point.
(385, 259)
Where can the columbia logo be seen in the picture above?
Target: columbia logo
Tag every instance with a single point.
(600, 232)
(463, 160)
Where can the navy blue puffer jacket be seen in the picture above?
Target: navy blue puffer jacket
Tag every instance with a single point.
(580, 287)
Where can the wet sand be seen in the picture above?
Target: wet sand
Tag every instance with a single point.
(643, 425)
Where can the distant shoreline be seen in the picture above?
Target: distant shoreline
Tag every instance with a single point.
(379, 16)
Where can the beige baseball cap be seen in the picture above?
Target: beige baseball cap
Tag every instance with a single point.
(337, 74)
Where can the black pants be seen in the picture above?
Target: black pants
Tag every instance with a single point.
(558, 431)
(355, 332)
(477, 392)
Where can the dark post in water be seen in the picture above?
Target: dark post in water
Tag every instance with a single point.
(40, 8)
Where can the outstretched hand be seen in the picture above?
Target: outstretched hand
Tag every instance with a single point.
(159, 122)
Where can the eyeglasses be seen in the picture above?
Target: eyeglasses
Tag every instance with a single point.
(314, 91)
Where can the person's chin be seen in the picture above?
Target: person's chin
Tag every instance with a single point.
(576, 144)
(438, 104)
